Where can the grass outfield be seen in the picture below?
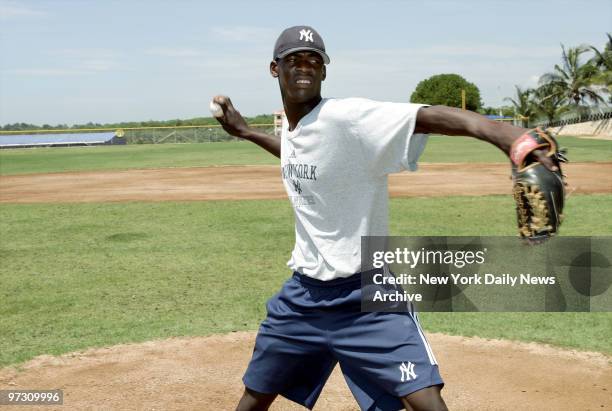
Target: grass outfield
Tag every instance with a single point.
(440, 149)
(81, 275)
(58, 159)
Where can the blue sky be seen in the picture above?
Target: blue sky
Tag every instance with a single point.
(107, 61)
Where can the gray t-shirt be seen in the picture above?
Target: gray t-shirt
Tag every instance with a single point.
(334, 167)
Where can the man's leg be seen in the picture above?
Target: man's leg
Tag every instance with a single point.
(387, 362)
(291, 356)
(427, 399)
(255, 401)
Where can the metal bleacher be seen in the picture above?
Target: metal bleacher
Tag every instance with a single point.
(59, 139)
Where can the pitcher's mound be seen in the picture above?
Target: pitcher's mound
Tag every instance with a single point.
(204, 373)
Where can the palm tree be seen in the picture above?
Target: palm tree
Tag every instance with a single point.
(574, 80)
(547, 103)
(603, 61)
(523, 107)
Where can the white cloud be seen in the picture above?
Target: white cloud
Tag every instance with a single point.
(243, 34)
(489, 51)
(83, 67)
(83, 53)
(12, 10)
(485, 52)
(533, 80)
(392, 74)
(73, 62)
(99, 65)
(174, 52)
(45, 72)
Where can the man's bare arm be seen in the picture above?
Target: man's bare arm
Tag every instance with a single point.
(455, 122)
(235, 125)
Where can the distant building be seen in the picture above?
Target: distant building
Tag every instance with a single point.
(498, 118)
(61, 139)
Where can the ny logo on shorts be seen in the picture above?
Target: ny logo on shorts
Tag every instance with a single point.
(407, 370)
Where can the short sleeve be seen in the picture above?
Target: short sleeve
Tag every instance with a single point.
(385, 131)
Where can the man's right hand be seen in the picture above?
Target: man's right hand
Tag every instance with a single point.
(231, 121)
(234, 124)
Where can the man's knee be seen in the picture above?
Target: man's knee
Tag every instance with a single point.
(427, 399)
(255, 401)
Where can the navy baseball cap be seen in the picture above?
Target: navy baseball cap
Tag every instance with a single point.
(299, 38)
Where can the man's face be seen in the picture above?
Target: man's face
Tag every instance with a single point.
(300, 75)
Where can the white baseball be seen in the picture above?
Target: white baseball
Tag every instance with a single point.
(215, 109)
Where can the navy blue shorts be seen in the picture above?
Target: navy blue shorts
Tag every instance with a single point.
(312, 325)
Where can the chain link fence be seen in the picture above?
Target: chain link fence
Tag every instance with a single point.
(199, 134)
(576, 116)
(135, 135)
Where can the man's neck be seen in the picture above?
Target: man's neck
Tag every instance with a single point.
(296, 111)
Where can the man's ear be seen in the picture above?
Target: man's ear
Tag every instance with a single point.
(274, 69)
(324, 72)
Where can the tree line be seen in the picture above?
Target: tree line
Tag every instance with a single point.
(581, 82)
(198, 121)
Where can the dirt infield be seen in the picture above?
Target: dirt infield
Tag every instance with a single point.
(259, 182)
(205, 373)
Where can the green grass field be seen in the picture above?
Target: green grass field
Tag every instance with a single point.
(74, 276)
(439, 149)
(82, 275)
(58, 159)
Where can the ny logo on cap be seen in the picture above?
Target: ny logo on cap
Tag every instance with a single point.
(306, 35)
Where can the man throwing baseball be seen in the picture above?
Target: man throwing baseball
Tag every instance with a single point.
(335, 157)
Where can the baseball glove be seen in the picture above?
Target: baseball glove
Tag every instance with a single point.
(539, 192)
